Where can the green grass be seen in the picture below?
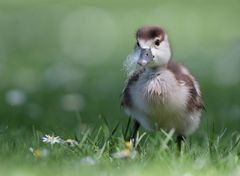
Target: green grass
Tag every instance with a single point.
(157, 154)
(65, 58)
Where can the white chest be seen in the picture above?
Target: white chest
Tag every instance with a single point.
(160, 99)
(159, 90)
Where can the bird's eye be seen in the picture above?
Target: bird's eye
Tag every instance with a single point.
(157, 42)
(138, 44)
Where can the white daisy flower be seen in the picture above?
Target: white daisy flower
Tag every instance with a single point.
(39, 153)
(71, 142)
(51, 139)
(127, 152)
(88, 161)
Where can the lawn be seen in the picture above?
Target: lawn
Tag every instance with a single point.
(61, 74)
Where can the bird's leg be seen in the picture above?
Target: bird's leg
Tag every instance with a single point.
(180, 139)
(134, 131)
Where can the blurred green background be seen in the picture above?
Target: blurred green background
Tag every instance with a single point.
(61, 61)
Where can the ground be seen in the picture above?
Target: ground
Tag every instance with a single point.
(61, 74)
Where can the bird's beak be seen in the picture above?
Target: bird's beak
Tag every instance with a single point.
(145, 57)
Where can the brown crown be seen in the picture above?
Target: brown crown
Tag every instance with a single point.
(150, 32)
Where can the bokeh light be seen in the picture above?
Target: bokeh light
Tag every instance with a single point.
(64, 61)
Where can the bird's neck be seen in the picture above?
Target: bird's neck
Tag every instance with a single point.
(157, 68)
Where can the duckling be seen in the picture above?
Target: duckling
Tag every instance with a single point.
(159, 93)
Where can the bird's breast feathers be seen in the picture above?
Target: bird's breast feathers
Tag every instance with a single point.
(168, 98)
(159, 90)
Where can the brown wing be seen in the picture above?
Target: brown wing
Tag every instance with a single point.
(195, 101)
(125, 96)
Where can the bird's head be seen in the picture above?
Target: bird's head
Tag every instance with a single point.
(152, 46)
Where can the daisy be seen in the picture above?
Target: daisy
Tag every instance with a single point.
(88, 160)
(127, 152)
(51, 139)
(71, 142)
(129, 145)
(39, 153)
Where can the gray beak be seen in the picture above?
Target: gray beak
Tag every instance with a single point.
(145, 57)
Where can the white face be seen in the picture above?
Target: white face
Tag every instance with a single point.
(160, 51)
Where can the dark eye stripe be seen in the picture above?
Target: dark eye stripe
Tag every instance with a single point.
(138, 44)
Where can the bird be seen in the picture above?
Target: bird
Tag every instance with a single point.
(158, 92)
